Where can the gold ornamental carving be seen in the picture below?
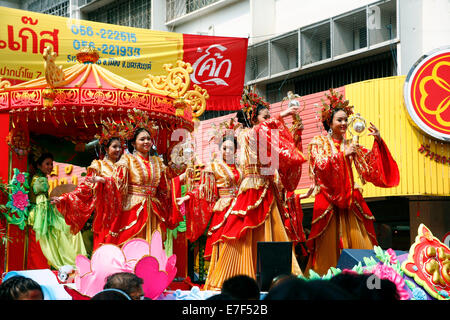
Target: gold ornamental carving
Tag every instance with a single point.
(176, 85)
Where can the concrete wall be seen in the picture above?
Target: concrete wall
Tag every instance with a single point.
(16, 4)
(231, 21)
(293, 14)
(424, 26)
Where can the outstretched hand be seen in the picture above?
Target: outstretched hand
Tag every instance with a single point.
(182, 199)
(290, 111)
(95, 179)
(374, 131)
(55, 200)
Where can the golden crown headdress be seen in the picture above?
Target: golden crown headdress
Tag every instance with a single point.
(111, 129)
(139, 119)
(225, 128)
(250, 101)
(334, 100)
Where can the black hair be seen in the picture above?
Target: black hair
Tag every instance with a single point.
(242, 117)
(294, 288)
(241, 287)
(356, 284)
(110, 141)
(220, 296)
(133, 140)
(326, 125)
(13, 288)
(33, 169)
(125, 281)
(104, 147)
(41, 159)
(111, 295)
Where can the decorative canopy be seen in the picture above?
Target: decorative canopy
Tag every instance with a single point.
(74, 101)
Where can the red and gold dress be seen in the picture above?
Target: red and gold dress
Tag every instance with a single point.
(341, 217)
(145, 188)
(78, 206)
(256, 213)
(218, 186)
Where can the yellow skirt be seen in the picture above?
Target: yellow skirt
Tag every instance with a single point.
(238, 257)
(326, 247)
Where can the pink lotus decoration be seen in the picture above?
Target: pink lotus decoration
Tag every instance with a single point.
(21, 178)
(20, 200)
(147, 261)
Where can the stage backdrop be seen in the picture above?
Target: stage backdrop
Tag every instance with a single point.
(218, 62)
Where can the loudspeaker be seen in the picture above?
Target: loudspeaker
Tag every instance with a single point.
(273, 259)
(350, 257)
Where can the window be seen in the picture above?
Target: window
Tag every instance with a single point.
(131, 13)
(378, 66)
(56, 8)
(178, 8)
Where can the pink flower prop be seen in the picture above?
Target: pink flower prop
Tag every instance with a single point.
(393, 256)
(147, 261)
(21, 178)
(20, 200)
(383, 271)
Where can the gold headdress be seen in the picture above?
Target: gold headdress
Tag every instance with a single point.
(139, 119)
(226, 128)
(250, 101)
(335, 100)
(111, 129)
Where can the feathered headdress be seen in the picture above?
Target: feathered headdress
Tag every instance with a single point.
(226, 128)
(139, 119)
(250, 101)
(333, 101)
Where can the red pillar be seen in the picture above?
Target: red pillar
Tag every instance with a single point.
(14, 256)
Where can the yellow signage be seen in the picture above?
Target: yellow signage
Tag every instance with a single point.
(128, 52)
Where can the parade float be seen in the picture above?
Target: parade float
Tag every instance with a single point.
(62, 112)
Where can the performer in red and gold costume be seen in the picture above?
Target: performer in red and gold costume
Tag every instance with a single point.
(256, 213)
(341, 217)
(78, 206)
(210, 201)
(144, 183)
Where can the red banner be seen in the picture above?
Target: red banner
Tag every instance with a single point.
(219, 67)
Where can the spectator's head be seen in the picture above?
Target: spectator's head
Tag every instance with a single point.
(20, 288)
(221, 296)
(128, 282)
(241, 287)
(279, 279)
(298, 289)
(361, 286)
(111, 294)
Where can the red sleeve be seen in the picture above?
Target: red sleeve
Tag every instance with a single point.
(378, 166)
(77, 206)
(108, 204)
(169, 208)
(278, 150)
(295, 221)
(199, 207)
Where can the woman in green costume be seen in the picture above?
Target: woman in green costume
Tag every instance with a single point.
(58, 245)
